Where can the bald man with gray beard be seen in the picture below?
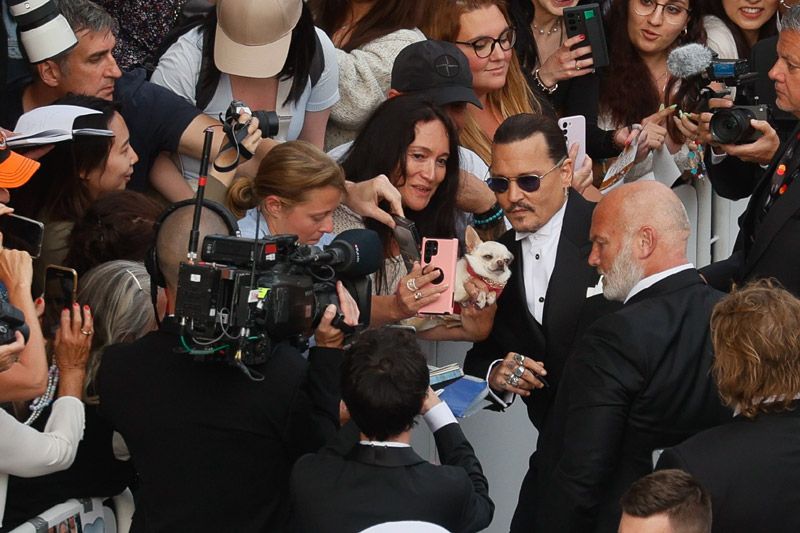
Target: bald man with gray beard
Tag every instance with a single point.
(638, 381)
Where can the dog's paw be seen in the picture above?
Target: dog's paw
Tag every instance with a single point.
(491, 298)
(480, 301)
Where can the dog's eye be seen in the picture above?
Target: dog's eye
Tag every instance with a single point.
(488, 257)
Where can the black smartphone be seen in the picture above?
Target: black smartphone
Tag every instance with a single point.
(60, 291)
(588, 20)
(407, 237)
(21, 233)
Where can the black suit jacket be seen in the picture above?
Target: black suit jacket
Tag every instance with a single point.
(751, 469)
(638, 381)
(766, 251)
(567, 310)
(341, 490)
(213, 448)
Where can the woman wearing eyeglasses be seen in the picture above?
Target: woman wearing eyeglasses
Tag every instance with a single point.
(482, 30)
(638, 89)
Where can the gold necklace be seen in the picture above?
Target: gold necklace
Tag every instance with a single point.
(556, 27)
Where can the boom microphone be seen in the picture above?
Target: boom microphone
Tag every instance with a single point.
(353, 253)
(689, 60)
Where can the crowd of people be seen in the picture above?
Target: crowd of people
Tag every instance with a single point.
(664, 394)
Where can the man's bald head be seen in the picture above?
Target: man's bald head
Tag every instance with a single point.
(638, 230)
(173, 239)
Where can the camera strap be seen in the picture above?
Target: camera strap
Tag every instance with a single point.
(235, 138)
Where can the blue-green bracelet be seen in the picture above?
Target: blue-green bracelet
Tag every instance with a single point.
(497, 215)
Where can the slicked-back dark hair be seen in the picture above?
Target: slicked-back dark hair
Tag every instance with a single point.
(674, 493)
(384, 381)
(526, 125)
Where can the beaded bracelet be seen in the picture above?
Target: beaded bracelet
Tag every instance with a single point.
(489, 217)
(542, 86)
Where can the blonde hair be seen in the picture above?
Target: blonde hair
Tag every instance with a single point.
(514, 98)
(288, 171)
(756, 336)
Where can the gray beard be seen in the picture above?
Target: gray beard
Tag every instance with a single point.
(622, 276)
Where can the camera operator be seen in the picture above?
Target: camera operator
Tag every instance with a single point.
(770, 226)
(214, 449)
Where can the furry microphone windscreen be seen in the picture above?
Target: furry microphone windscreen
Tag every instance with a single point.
(689, 60)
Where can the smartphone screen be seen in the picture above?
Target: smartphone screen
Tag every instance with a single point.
(21, 233)
(60, 291)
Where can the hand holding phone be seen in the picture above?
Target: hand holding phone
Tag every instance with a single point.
(587, 20)
(21, 233)
(60, 292)
(407, 237)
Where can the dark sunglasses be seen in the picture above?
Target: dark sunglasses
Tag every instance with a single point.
(528, 183)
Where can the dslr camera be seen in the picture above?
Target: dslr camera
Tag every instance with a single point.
(732, 125)
(268, 123)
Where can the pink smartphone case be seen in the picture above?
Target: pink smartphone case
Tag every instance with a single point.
(445, 259)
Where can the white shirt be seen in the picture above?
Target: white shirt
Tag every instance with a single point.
(538, 261)
(26, 452)
(179, 69)
(436, 418)
(649, 281)
(247, 228)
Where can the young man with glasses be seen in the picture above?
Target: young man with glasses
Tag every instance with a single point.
(553, 293)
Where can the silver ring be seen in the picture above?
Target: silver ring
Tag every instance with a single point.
(418, 295)
(519, 371)
(411, 284)
(87, 333)
(513, 380)
(519, 358)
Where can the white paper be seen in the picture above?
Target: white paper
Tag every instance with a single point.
(52, 123)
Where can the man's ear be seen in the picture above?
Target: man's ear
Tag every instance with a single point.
(50, 73)
(646, 241)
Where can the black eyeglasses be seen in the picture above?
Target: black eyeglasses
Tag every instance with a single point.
(528, 183)
(484, 46)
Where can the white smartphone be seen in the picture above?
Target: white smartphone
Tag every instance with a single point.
(574, 129)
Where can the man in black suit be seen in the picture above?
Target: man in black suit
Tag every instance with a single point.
(770, 226)
(380, 479)
(214, 448)
(638, 380)
(751, 465)
(553, 293)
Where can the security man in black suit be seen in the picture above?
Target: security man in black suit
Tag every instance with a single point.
(553, 293)
(376, 477)
(770, 227)
(213, 448)
(639, 379)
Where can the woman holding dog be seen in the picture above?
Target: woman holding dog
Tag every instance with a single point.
(415, 145)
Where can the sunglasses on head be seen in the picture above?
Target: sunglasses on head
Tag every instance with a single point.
(528, 183)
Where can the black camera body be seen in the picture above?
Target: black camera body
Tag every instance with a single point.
(731, 72)
(11, 321)
(732, 125)
(268, 123)
(248, 294)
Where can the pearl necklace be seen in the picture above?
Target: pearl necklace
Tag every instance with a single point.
(556, 27)
(42, 402)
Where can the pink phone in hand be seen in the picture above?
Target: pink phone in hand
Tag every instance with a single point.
(441, 254)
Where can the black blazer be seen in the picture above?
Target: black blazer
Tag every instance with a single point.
(567, 310)
(213, 448)
(769, 251)
(638, 381)
(341, 490)
(751, 469)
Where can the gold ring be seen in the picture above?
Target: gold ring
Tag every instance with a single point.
(418, 295)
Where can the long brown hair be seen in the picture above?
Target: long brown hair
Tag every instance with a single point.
(444, 24)
(627, 93)
(385, 17)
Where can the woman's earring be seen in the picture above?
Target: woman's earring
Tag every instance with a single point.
(685, 30)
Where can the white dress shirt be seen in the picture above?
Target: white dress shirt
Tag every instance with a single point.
(649, 281)
(538, 261)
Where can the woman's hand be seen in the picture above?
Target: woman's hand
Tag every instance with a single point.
(364, 197)
(72, 346)
(227, 156)
(653, 132)
(581, 177)
(564, 63)
(415, 291)
(16, 267)
(9, 353)
(329, 336)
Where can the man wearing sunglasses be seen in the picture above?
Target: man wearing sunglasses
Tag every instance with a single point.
(553, 293)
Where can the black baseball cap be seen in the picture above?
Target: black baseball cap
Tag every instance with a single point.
(436, 69)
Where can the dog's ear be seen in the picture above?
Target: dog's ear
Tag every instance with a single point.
(472, 239)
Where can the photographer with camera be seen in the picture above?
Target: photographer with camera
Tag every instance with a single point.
(770, 226)
(212, 447)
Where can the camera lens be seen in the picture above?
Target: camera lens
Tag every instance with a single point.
(731, 126)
